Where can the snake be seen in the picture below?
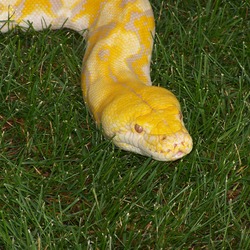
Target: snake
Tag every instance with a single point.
(115, 75)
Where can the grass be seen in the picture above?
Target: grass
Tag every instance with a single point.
(63, 186)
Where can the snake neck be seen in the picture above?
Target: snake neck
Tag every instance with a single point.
(118, 53)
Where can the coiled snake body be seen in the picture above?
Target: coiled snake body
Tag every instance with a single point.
(116, 80)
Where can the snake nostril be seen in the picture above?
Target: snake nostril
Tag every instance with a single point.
(138, 128)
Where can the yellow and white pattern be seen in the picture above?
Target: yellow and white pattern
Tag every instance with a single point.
(116, 70)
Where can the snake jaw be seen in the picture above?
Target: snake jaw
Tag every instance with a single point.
(169, 147)
(159, 147)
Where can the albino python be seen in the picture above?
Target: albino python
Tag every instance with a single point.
(116, 80)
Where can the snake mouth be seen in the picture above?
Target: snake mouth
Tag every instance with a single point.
(169, 154)
(178, 155)
(166, 147)
(159, 147)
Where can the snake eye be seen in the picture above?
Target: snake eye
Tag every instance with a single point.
(138, 128)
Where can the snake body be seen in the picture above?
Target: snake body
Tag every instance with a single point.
(115, 78)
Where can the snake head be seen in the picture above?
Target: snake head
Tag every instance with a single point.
(160, 134)
(148, 121)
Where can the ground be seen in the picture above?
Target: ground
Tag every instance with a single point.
(62, 185)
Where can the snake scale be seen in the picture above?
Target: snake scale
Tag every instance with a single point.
(115, 78)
